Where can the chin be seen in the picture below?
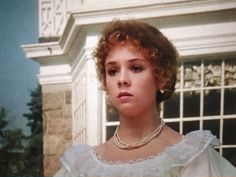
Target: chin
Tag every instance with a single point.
(128, 111)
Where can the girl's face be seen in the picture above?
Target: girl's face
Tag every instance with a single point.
(130, 81)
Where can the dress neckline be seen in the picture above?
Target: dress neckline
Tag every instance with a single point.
(98, 158)
(81, 159)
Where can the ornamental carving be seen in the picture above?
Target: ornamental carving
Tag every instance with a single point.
(52, 17)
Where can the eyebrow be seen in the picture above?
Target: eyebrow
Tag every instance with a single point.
(129, 61)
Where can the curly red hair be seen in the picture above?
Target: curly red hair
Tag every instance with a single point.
(158, 49)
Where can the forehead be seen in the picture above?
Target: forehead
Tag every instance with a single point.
(125, 51)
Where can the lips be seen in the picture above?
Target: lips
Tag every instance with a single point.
(124, 94)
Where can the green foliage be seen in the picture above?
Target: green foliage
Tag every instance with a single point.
(11, 149)
(11, 152)
(35, 115)
(22, 155)
(3, 123)
(34, 150)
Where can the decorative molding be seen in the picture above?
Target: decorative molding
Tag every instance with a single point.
(195, 40)
(207, 45)
(54, 79)
(101, 13)
(55, 74)
(85, 17)
(52, 17)
(84, 25)
(42, 50)
(45, 17)
(204, 39)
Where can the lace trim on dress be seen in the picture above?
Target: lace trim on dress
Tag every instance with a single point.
(183, 140)
(99, 158)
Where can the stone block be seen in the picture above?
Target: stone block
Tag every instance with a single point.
(52, 101)
(51, 166)
(67, 97)
(52, 145)
(55, 114)
(67, 112)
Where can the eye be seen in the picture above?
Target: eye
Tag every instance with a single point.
(136, 68)
(112, 71)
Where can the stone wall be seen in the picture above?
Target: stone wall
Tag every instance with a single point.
(57, 125)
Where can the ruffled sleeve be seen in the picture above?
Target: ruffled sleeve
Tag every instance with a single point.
(200, 159)
(62, 173)
(75, 158)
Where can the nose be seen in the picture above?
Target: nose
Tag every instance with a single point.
(123, 79)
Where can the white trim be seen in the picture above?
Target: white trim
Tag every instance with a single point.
(91, 93)
(56, 74)
(86, 16)
(42, 49)
(101, 13)
(55, 79)
(203, 39)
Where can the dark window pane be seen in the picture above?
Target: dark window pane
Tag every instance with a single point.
(211, 102)
(177, 85)
(110, 131)
(171, 107)
(174, 125)
(112, 113)
(217, 149)
(191, 104)
(229, 131)
(212, 73)
(230, 101)
(192, 74)
(230, 68)
(230, 154)
(190, 126)
(213, 126)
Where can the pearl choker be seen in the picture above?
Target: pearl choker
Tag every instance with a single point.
(122, 145)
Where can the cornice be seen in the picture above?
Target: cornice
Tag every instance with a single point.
(42, 49)
(215, 45)
(101, 13)
(205, 39)
(87, 16)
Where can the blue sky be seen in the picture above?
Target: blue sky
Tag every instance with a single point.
(18, 74)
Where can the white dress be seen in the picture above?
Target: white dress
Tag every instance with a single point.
(193, 156)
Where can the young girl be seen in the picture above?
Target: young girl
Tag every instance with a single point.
(137, 66)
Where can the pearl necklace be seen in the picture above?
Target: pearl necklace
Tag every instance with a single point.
(122, 145)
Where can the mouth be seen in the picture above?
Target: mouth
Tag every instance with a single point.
(124, 94)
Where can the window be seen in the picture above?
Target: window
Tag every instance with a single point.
(205, 98)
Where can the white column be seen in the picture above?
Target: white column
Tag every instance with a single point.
(93, 106)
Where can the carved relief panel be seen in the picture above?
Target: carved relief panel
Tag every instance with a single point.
(52, 17)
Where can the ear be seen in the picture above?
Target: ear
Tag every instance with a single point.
(161, 83)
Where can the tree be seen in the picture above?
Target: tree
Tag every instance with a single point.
(34, 150)
(3, 123)
(11, 149)
(17, 159)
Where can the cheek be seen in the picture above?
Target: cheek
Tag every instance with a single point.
(150, 82)
(148, 87)
(109, 85)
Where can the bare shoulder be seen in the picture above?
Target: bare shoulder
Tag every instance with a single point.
(171, 136)
(103, 148)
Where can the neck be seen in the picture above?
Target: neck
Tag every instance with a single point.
(134, 128)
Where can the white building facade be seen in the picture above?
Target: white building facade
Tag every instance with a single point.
(74, 106)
